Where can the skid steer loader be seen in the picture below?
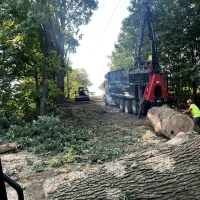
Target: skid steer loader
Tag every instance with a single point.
(82, 94)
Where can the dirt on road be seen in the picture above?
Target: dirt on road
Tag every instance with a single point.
(113, 134)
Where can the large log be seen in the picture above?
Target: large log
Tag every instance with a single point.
(8, 147)
(171, 171)
(168, 122)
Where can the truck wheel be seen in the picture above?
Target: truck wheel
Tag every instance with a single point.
(105, 100)
(127, 107)
(116, 102)
(134, 107)
(121, 105)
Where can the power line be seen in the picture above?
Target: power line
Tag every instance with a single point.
(107, 25)
(99, 18)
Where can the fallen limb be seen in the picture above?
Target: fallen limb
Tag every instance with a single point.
(8, 147)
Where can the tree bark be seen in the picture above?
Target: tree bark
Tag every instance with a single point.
(60, 85)
(168, 122)
(43, 105)
(170, 172)
(61, 52)
(46, 46)
(37, 88)
(68, 88)
(8, 147)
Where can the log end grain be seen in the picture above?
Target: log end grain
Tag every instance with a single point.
(179, 123)
(168, 122)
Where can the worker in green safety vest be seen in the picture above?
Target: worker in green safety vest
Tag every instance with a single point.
(195, 113)
(150, 58)
(148, 63)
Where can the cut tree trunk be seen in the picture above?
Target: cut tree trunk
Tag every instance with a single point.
(169, 172)
(8, 147)
(168, 122)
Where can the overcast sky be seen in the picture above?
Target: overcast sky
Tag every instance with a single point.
(98, 40)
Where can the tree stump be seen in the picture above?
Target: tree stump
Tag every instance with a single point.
(171, 171)
(168, 122)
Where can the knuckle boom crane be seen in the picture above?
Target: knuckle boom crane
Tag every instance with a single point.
(138, 89)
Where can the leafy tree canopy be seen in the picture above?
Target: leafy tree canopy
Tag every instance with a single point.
(78, 78)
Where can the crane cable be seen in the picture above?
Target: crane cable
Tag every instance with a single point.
(98, 19)
(106, 26)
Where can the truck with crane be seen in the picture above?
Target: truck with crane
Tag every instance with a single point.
(138, 89)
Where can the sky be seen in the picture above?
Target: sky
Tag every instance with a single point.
(98, 40)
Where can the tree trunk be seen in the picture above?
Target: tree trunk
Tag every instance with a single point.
(68, 88)
(194, 87)
(60, 84)
(45, 41)
(168, 122)
(43, 106)
(172, 171)
(37, 88)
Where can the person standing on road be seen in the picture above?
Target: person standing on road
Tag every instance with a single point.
(195, 113)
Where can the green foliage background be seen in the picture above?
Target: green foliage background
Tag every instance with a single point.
(77, 78)
(36, 40)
